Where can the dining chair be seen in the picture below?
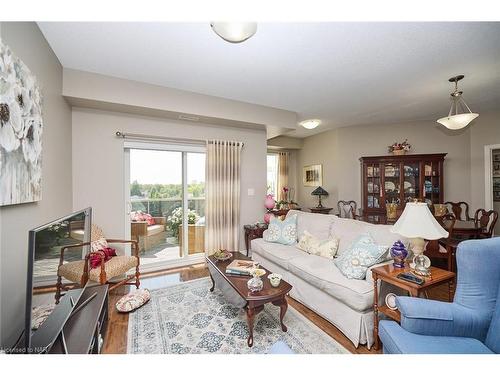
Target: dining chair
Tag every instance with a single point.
(486, 220)
(446, 247)
(459, 209)
(347, 209)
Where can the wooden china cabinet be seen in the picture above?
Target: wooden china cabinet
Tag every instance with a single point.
(399, 179)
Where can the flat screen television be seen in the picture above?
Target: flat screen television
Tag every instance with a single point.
(44, 318)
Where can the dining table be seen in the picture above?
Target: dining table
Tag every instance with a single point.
(465, 228)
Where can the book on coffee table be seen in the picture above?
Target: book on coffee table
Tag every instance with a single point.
(241, 267)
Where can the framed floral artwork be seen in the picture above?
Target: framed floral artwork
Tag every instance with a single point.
(21, 129)
(313, 175)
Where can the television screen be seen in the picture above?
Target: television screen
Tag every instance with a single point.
(46, 243)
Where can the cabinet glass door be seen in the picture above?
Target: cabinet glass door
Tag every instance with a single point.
(373, 185)
(392, 183)
(411, 182)
(431, 188)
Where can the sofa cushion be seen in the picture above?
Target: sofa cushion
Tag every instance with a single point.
(282, 231)
(323, 274)
(313, 245)
(155, 229)
(347, 230)
(275, 252)
(363, 253)
(318, 225)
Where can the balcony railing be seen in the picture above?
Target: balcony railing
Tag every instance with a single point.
(165, 206)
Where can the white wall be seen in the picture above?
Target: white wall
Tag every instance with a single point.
(26, 40)
(339, 151)
(98, 162)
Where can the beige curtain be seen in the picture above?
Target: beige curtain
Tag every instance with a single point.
(282, 174)
(222, 208)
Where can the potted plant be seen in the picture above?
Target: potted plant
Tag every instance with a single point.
(399, 148)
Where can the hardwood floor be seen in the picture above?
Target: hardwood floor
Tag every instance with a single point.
(116, 334)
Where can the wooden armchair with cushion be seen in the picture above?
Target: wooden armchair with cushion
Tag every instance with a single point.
(79, 272)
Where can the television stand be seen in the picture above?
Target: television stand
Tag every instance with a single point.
(85, 329)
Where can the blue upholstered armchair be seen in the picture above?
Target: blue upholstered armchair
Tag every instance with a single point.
(470, 324)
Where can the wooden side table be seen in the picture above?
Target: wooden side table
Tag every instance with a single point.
(252, 232)
(320, 210)
(388, 273)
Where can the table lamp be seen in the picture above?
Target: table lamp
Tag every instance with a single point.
(416, 223)
(319, 191)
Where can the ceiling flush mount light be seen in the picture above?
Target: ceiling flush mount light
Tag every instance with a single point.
(310, 124)
(456, 120)
(234, 32)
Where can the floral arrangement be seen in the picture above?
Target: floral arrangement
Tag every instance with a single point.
(404, 146)
(175, 220)
(287, 198)
(20, 131)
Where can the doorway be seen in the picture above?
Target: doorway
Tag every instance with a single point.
(165, 199)
(492, 181)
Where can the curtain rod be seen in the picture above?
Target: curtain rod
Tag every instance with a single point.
(124, 135)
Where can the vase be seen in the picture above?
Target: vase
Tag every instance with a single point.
(269, 203)
(399, 253)
(399, 152)
(255, 284)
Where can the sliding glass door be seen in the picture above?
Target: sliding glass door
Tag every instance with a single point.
(166, 203)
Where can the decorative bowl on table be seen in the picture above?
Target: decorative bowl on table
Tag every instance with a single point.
(275, 279)
(222, 255)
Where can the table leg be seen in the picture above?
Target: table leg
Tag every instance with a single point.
(450, 290)
(250, 319)
(283, 307)
(213, 282)
(247, 241)
(375, 312)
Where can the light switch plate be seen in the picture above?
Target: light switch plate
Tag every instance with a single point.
(251, 192)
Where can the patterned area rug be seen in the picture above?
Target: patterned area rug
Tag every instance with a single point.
(188, 318)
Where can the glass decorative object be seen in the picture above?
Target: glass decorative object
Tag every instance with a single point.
(255, 284)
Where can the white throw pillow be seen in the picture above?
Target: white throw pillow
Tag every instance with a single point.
(323, 248)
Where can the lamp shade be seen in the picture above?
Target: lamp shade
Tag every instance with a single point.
(319, 191)
(456, 122)
(417, 221)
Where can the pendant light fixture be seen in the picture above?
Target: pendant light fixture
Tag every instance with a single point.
(234, 32)
(456, 120)
(310, 124)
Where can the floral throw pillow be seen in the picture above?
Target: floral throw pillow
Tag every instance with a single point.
(363, 253)
(313, 245)
(284, 232)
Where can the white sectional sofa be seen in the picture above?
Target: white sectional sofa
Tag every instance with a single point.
(318, 283)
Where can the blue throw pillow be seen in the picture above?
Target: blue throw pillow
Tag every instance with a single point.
(282, 231)
(363, 253)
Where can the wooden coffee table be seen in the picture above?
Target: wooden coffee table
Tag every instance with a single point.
(388, 273)
(235, 289)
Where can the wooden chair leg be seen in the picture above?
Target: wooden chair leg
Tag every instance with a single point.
(58, 289)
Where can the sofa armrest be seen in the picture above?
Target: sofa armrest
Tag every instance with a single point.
(436, 318)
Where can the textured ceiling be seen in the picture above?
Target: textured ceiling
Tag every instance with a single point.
(342, 73)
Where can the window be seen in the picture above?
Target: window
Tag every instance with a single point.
(272, 174)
